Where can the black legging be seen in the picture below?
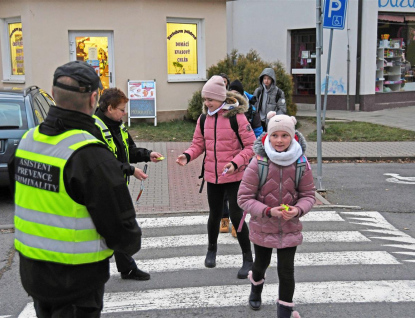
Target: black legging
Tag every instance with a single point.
(285, 267)
(215, 194)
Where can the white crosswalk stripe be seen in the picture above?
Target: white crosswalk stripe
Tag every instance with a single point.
(234, 261)
(234, 294)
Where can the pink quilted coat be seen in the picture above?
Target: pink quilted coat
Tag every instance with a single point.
(278, 189)
(221, 142)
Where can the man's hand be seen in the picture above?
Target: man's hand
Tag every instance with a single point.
(181, 160)
(139, 174)
(154, 155)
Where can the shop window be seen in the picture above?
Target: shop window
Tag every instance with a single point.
(13, 53)
(303, 64)
(185, 50)
(395, 59)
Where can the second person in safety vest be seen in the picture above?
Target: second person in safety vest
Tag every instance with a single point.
(108, 118)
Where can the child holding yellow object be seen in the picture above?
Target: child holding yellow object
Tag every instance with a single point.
(272, 225)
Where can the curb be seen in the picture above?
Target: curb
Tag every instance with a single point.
(6, 226)
(321, 199)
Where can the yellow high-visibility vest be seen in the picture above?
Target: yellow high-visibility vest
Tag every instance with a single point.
(49, 224)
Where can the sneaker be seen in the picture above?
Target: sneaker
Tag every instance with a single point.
(234, 231)
(224, 225)
(136, 274)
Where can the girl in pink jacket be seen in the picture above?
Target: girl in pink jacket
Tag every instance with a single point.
(273, 225)
(225, 162)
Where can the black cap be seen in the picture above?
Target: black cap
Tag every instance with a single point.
(80, 71)
(236, 85)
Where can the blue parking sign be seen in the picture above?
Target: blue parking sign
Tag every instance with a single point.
(334, 14)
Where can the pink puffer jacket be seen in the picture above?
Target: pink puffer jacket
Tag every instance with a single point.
(278, 189)
(222, 144)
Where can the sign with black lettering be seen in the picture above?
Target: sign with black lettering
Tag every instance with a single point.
(37, 174)
(142, 100)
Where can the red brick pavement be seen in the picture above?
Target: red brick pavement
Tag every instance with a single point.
(183, 185)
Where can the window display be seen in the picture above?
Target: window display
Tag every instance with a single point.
(395, 60)
(94, 51)
(16, 48)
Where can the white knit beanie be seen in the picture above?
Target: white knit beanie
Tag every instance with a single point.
(281, 123)
(214, 89)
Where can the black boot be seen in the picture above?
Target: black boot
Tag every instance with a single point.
(285, 311)
(256, 290)
(210, 260)
(246, 265)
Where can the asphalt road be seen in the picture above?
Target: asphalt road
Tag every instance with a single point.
(366, 185)
(358, 264)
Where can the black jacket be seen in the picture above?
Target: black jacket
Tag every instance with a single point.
(92, 178)
(136, 154)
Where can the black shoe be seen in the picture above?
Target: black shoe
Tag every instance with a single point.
(246, 265)
(255, 296)
(136, 274)
(210, 260)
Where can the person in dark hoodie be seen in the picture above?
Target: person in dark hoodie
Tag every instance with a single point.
(73, 208)
(108, 118)
(268, 96)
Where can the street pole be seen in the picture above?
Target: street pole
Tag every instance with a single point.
(319, 34)
(326, 86)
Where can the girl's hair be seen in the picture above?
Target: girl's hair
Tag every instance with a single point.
(113, 97)
(228, 82)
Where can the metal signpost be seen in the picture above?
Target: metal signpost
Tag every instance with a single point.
(334, 16)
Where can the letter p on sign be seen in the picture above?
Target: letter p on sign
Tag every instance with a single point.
(334, 14)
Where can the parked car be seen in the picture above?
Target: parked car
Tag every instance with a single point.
(20, 110)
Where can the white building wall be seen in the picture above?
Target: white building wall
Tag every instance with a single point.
(265, 27)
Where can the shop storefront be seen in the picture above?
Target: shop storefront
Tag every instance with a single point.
(379, 37)
(123, 40)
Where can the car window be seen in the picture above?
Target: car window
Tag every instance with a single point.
(11, 115)
(43, 104)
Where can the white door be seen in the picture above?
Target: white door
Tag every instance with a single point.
(97, 49)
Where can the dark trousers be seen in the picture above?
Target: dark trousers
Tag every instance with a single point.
(124, 262)
(285, 267)
(88, 306)
(216, 193)
(225, 213)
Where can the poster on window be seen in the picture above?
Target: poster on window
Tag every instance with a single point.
(181, 48)
(142, 100)
(16, 48)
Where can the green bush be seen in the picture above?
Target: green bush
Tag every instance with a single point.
(195, 106)
(247, 69)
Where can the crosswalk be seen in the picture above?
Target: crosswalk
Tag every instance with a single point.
(342, 259)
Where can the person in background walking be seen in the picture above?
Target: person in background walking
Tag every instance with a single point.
(273, 225)
(224, 163)
(268, 97)
(108, 118)
(251, 114)
(73, 207)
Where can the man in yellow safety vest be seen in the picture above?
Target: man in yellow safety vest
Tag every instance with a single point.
(73, 207)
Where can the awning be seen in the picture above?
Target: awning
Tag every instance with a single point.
(392, 18)
(410, 18)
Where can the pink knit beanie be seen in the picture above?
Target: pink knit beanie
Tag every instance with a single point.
(281, 123)
(214, 89)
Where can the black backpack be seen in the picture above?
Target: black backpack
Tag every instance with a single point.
(234, 126)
